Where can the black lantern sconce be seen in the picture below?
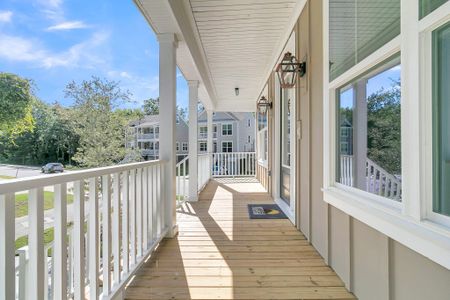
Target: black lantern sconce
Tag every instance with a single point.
(264, 105)
(288, 69)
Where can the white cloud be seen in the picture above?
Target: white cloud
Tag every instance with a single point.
(142, 87)
(83, 54)
(69, 25)
(54, 4)
(5, 16)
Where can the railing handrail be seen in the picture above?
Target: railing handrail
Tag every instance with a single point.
(231, 153)
(28, 183)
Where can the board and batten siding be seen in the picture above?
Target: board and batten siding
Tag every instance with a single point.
(372, 265)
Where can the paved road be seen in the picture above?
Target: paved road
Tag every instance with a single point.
(19, 171)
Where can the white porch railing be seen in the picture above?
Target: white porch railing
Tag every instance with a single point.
(122, 225)
(182, 184)
(204, 170)
(378, 180)
(234, 164)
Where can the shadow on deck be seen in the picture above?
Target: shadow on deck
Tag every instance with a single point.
(221, 254)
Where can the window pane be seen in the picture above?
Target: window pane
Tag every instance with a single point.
(358, 28)
(427, 6)
(368, 132)
(441, 117)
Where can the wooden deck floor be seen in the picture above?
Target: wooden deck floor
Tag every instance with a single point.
(221, 254)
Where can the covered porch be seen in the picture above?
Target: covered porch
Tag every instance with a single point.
(219, 253)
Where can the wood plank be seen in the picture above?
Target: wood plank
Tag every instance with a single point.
(220, 253)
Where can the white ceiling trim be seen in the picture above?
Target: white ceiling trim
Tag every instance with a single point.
(282, 42)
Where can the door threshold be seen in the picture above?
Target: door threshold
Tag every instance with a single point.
(286, 209)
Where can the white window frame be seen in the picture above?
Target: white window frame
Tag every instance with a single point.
(200, 144)
(177, 146)
(227, 124)
(184, 146)
(223, 142)
(409, 222)
(262, 151)
(427, 25)
(203, 131)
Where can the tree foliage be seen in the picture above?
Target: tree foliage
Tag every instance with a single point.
(151, 107)
(100, 127)
(16, 99)
(384, 127)
(53, 138)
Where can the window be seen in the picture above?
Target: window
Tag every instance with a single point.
(150, 145)
(427, 6)
(203, 147)
(248, 139)
(369, 114)
(185, 146)
(441, 118)
(227, 129)
(248, 123)
(227, 146)
(357, 29)
(215, 131)
(178, 146)
(203, 132)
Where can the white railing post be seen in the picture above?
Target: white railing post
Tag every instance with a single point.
(145, 187)
(167, 91)
(139, 212)
(132, 215)
(125, 224)
(209, 141)
(36, 243)
(106, 233)
(59, 255)
(78, 245)
(193, 146)
(7, 255)
(93, 249)
(116, 227)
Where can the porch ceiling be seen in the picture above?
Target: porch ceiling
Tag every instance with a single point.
(226, 44)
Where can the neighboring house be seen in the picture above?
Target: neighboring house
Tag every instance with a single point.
(346, 137)
(232, 132)
(143, 134)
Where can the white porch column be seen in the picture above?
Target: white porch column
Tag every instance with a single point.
(209, 140)
(193, 134)
(360, 134)
(167, 109)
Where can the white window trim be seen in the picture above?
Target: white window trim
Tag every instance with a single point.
(409, 222)
(262, 151)
(223, 142)
(226, 124)
(184, 146)
(178, 146)
(200, 148)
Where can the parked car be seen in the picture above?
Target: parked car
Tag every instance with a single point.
(52, 168)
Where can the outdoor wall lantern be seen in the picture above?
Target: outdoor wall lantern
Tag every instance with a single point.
(288, 69)
(263, 105)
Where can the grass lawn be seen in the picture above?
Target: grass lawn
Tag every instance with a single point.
(48, 237)
(22, 202)
(6, 177)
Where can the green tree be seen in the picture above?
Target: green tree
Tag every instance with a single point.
(16, 99)
(384, 127)
(101, 130)
(151, 107)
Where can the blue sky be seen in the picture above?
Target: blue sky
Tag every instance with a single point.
(56, 41)
(374, 84)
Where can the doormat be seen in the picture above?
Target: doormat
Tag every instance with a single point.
(265, 211)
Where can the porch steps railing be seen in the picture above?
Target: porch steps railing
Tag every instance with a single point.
(378, 180)
(109, 240)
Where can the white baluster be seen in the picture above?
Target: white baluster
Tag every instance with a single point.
(60, 250)
(78, 231)
(7, 247)
(139, 211)
(93, 239)
(106, 233)
(36, 243)
(145, 208)
(116, 227)
(132, 221)
(125, 224)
